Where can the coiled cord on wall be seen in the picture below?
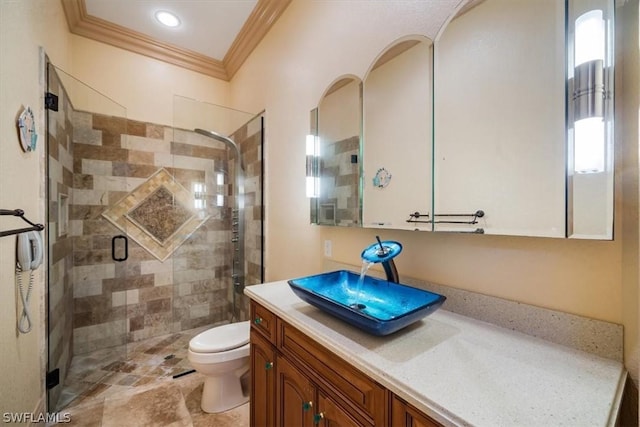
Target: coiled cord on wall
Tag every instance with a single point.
(24, 323)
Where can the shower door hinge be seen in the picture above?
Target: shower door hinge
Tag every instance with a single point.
(50, 101)
(53, 378)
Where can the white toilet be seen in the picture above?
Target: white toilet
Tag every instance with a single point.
(221, 354)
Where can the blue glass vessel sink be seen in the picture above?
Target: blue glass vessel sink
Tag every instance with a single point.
(374, 305)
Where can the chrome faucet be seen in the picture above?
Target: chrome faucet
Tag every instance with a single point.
(383, 253)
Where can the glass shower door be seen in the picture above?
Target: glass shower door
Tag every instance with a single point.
(222, 150)
(87, 288)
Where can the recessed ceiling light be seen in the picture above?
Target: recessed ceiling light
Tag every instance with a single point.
(167, 18)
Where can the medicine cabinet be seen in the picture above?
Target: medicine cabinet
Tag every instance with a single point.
(503, 125)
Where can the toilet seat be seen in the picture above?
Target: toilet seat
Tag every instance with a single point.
(221, 338)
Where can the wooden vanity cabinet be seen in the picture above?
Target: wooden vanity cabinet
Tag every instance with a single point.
(331, 414)
(295, 405)
(297, 382)
(263, 381)
(405, 415)
(303, 403)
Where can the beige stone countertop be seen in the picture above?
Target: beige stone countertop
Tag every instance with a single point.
(461, 371)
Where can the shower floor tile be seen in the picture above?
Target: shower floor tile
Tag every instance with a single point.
(103, 390)
(170, 403)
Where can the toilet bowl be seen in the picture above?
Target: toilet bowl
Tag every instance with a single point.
(221, 354)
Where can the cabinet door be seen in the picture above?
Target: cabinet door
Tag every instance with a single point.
(294, 396)
(329, 371)
(263, 385)
(330, 414)
(405, 415)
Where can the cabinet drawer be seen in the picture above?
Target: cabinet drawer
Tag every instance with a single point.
(339, 378)
(263, 321)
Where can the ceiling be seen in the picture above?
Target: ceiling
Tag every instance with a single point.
(213, 38)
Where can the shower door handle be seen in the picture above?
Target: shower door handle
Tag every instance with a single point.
(126, 248)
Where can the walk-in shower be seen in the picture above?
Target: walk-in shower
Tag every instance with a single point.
(237, 218)
(153, 230)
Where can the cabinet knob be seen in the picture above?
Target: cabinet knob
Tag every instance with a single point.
(307, 405)
(257, 320)
(268, 365)
(318, 417)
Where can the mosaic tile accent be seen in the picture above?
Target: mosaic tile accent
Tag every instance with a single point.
(156, 216)
(160, 215)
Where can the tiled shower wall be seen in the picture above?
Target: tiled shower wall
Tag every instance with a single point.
(114, 303)
(60, 243)
(250, 139)
(339, 181)
(144, 297)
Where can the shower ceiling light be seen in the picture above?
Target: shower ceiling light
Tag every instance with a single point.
(167, 18)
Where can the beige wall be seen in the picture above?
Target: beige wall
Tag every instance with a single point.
(24, 26)
(144, 86)
(286, 75)
(339, 113)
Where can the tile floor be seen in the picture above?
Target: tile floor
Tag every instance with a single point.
(102, 390)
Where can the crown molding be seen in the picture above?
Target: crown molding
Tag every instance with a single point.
(261, 19)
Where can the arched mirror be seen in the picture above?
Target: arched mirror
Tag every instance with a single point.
(500, 117)
(333, 155)
(506, 101)
(397, 136)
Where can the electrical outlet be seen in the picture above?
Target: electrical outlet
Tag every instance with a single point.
(327, 248)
